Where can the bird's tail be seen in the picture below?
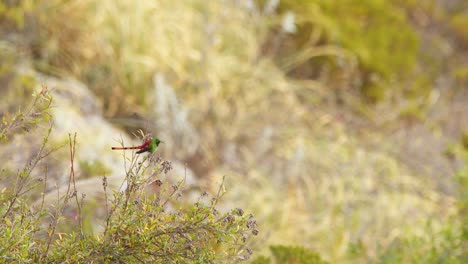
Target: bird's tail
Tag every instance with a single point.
(123, 148)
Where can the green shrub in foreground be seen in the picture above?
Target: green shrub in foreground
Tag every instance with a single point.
(150, 229)
(139, 227)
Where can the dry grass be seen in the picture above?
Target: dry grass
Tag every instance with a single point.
(344, 195)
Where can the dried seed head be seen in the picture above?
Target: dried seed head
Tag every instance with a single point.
(251, 223)
(249, 250)
(230, 218)
(158, 182)
(156, 159)
(239, 212)
(166, 166)
(104, 181)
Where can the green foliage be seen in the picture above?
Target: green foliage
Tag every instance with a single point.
(377, 32)
(290, 255)
(15, 12)
(462, 180)
(459, 23)
(461, 73)
(144, 229)
(261, 260)
(138, 227)
(19, 225)
(445, 247)
(25, 120)
(300, 255)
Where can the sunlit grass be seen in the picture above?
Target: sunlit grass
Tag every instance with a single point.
(199, 45)
(346, 196)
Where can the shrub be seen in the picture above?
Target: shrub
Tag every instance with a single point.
(139, 226)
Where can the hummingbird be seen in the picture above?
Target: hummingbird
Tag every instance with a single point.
(149, 145)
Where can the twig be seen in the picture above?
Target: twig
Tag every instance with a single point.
(72, 176)
(219, 194)
(24, 176)
(46, 174)
(67, 196)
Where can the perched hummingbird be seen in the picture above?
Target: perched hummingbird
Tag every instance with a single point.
(149, 145)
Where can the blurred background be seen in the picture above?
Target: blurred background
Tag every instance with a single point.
(341, 125)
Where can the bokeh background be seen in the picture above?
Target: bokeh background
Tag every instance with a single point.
(342, 125)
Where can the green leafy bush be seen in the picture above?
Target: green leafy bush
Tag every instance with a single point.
(138, 227)
(290, 255)
(375, 32)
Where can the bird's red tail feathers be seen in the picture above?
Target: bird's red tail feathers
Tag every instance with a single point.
(147, 142)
